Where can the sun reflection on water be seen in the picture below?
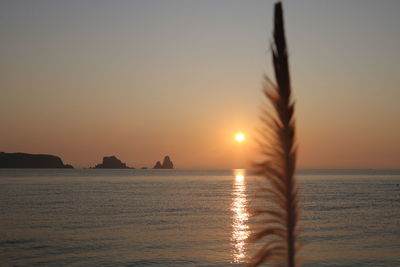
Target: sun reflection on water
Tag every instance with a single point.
(240, 229)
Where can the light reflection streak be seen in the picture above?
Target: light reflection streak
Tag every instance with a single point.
(240, 229)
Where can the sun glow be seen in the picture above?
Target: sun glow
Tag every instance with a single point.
(239, 177)
(240, 137)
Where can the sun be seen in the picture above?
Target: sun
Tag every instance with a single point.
(240, 137)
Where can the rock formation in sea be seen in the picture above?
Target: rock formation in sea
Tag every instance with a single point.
(111, 163)
(167, 164)
(25, 160)
(158, 165)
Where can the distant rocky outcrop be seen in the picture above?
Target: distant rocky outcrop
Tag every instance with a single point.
(167, 164)
(158, 165)
(111, 163)
(25, 160)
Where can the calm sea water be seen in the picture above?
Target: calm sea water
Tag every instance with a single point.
(188, 218)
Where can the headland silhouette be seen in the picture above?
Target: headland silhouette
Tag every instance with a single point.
(25, 160)
(44, 161)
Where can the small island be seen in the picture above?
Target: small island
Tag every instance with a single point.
(111, 163)
(25, 160)
(167, 164)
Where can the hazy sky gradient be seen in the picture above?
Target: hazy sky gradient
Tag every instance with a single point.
(142, 79)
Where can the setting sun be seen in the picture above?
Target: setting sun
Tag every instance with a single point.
(239, 137)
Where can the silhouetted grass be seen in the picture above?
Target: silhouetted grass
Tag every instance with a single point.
(277, 211)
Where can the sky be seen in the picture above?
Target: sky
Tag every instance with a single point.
(145, 79)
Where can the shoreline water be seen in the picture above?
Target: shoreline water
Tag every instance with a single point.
(86, 217)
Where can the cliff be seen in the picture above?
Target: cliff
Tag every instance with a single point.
(167, 164)
(111, 163)
(24, 160)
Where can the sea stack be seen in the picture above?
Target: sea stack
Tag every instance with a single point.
(158, 165)
(111, 163)
(167, 164)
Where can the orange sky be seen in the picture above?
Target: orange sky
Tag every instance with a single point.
(143, 79)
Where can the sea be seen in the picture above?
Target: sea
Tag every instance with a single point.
(130, 217)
